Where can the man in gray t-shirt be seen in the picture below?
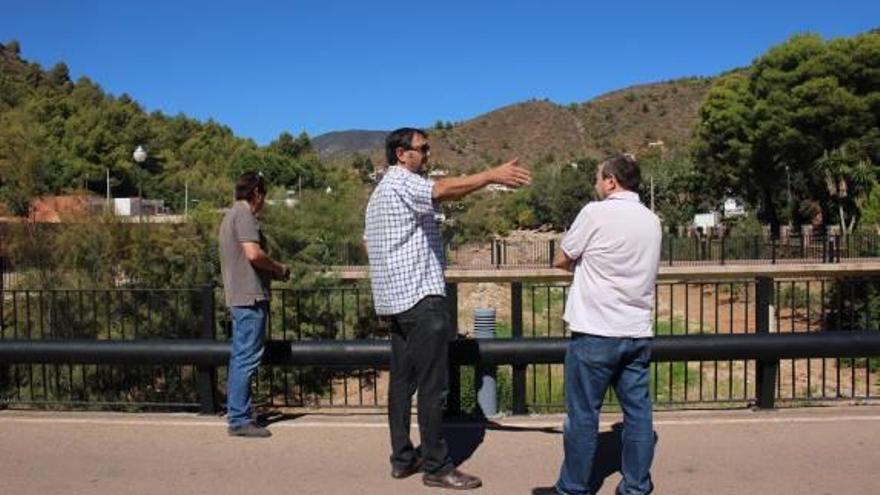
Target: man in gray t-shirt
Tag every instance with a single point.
(247, 271)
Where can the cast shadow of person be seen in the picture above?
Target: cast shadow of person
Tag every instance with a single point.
(607, 459)
(609, 448)
(465, 434)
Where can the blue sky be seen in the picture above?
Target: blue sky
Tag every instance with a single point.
(315, 66)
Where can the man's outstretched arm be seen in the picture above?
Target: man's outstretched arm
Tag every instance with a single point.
(509, 174)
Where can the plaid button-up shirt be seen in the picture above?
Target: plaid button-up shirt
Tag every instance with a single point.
(403, 242)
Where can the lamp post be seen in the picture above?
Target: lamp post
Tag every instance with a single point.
(108, 206)
(790, 205)
(140, 156)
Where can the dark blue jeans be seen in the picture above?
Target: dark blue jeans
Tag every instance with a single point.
(592, 364)
(248, 335)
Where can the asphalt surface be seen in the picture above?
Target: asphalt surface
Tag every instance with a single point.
(797, 451)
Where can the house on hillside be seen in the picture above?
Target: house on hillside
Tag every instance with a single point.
(135, 207)
(708, 220)
(732, 208)
(58, 209)
(51, 209)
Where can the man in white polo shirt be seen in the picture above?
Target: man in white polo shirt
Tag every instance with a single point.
(613, 247)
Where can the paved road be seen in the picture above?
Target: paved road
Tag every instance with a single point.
(803, 451)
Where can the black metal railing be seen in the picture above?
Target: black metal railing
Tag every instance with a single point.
(733, 308)
(683, 310)
(765, 349)
(675, 251)
(95, 316)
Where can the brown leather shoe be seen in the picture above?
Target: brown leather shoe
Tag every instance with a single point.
(455, 480)
(406, 472)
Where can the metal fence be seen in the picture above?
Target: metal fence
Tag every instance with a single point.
(676, 251)
(332, 313)
(730, 308)
(152, 314)
(345, 313)
(100, 315)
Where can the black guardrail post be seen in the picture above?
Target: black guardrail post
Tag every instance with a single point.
(838, 248)
(825, 242)
(516, 331)
(773, 250)
(453, 399)
(2, 294)
(766, 370)
(207, 375)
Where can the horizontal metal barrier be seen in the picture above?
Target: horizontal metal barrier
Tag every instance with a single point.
(463, 352)
(304, 326)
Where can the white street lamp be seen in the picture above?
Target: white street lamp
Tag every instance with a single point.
(140, 156)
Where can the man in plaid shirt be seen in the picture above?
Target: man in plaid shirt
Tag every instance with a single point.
(406, 268)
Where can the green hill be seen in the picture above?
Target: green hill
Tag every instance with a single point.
(58, 135)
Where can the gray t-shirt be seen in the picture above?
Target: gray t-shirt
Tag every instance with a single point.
(243, 284)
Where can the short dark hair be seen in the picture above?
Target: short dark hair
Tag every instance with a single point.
(249, 183)
(625, 170)
(400, 138)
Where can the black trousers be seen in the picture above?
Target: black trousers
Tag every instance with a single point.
(419, 361)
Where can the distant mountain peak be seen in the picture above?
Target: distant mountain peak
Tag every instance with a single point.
(351, 141)
(622, 120)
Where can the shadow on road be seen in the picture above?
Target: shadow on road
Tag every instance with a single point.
(464, 435)
(270, 417)
(607, 459)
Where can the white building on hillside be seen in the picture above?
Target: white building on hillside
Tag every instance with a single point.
(133, 207)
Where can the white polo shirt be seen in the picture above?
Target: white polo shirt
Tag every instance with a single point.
(616, 247)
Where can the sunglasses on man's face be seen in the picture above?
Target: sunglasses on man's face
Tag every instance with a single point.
(423, 149)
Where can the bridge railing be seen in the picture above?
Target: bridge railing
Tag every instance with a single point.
(726, 338)
(675, 251)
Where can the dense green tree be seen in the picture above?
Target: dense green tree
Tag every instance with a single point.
(13, 47)
(83, 133)
(560, 190)
(292, 147)
(806, 106)
(23, 171)
(673, 179)
(324, 227)
(364, 167)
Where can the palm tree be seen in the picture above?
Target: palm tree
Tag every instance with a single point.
(848, 180)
